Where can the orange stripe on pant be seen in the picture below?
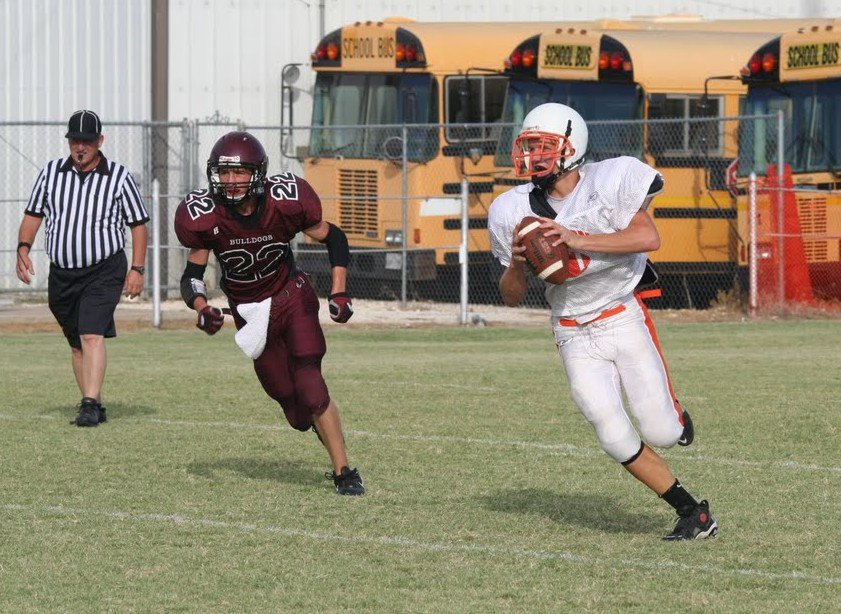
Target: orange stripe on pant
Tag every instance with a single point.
(649, 324)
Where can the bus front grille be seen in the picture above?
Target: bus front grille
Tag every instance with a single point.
(358, 215)
(813, 221)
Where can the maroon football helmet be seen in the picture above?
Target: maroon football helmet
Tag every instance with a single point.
(237, 150)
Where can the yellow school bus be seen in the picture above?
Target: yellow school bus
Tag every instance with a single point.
(646, 94)
(799, 73)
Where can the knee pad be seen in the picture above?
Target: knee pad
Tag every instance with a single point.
(618, 439)
(310, 388)
(298, 416)
(660, 434)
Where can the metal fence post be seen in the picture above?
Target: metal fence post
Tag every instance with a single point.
(186, 158)
(753, 274)
(780, 210)
(146, 140)
(462, 252)
(405, 200)
(156, 253)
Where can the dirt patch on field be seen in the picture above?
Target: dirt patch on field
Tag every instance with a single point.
(24, 315)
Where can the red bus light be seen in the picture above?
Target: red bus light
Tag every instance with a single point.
(769, 62)
(411, 53)
(616, 60)
(332, 51)
(604, 60)
(754, 64)
(528, 58)
(516, 58)
(321, 51)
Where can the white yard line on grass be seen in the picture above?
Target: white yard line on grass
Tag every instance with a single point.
(555, 449)
(408, 543)
(559, 449)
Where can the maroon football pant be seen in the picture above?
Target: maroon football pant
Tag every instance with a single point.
(290, 366)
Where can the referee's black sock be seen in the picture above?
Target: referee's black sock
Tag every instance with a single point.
(679, 499)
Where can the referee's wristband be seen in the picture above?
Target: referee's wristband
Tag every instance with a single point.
(24, 244)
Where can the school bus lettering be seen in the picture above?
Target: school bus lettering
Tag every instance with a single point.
(368, 48)
(816, 55)
(385, 47)
(567, 56)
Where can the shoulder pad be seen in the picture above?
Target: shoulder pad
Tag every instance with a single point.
(283, 186)
(197, 211)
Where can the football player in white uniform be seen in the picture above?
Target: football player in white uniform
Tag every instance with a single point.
(603, 331)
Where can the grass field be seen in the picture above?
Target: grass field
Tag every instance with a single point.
(487, 489)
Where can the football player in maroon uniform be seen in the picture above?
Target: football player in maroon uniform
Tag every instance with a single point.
(248, 221)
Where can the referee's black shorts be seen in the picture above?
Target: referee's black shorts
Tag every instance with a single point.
(83, 300)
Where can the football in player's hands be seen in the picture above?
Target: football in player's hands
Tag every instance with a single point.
(550, 263)
(210, 320)
(341, 307)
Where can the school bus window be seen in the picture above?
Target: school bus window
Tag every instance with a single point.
(758, 139)
(473, 100)
(338, 102)
(344, 103)
(688, 138)
(812, 135)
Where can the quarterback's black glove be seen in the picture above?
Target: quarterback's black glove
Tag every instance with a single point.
(341, 307)
(210, 320)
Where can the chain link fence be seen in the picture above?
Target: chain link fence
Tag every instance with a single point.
(413, 201)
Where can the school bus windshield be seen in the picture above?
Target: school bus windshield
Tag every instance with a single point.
(593, 100)
(345, 101)
(812, 131)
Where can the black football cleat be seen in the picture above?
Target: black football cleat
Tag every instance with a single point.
(688, 435)
(697, 525)
(348, 482)
(89, 413)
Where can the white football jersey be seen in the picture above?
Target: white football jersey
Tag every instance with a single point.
(607, 196)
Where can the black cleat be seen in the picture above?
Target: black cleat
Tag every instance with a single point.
(698, 525)
(89, 413)
(688, 435)
(348, 482)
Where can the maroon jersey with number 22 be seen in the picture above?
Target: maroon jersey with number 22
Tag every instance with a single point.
(254, 254)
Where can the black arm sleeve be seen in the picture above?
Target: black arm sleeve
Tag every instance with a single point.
(192, 283)
(337, 247)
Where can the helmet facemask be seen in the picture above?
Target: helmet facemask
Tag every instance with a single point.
(538, 154)
(234, 193)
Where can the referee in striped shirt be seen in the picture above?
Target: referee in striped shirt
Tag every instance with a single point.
(87, 201)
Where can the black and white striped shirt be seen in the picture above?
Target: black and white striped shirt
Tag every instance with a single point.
(86, 213)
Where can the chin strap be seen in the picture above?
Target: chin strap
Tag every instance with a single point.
(545, 182)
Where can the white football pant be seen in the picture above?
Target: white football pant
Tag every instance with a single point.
(618, 353)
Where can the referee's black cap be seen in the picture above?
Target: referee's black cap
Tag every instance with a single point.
(84, 125)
